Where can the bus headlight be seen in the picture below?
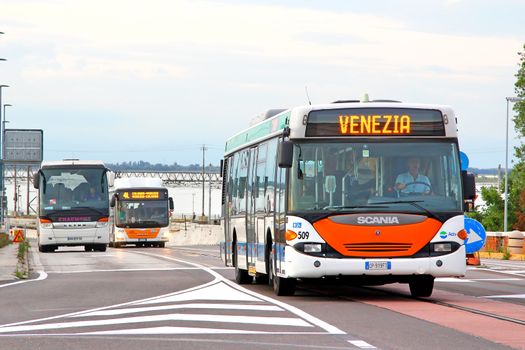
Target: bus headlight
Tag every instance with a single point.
(46, 223)
(312, 247)
(442, 247)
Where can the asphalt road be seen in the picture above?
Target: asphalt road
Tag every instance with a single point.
(184, 298)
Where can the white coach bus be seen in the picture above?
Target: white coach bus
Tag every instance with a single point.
(73, 204)
(370, 192)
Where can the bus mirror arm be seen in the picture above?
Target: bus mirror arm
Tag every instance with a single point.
(36, 180)
(469, 186)
(113, 200)
(285, 154)
(172, 206)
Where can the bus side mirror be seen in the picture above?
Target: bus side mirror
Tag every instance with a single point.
(285, 154)
(222, 168)
(113, 201)
(36, 180)
(111, 178)
(469, 186)
(170, 200)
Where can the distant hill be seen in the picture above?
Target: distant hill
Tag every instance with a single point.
(490, 171)
(147, 166)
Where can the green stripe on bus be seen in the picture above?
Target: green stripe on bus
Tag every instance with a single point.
(259, 131)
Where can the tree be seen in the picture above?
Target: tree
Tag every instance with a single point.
(517, 192)
(493, 215)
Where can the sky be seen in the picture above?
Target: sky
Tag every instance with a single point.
(122, 80)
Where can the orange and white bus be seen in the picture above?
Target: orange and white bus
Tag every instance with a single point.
(141, 208)
(371, 192)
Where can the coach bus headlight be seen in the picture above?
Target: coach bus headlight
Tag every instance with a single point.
(442, 247)
(312, 247)
(102, 222)
(45, 223)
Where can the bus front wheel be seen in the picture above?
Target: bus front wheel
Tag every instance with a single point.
(421, 286)
(241, 276)
(281, 286)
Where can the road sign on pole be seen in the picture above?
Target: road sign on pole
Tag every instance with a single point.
(19, 235)
(476, 235)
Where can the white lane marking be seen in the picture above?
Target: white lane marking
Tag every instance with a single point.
(218, 291)
(506, 296)
(182, 306)
(310, 318)
(139, 269)
(504, 272)
(277, 321)
(172, 330)
(361, 344)
(452, 280)
(496, 279)
(42, 275)
(71, 314)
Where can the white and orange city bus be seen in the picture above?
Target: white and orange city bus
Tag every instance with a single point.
(369, 192)
(140, 212)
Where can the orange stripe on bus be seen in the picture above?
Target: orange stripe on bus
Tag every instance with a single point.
(142, 232)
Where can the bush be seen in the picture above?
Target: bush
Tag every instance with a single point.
(4, 240)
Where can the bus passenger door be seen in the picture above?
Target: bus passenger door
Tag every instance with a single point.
(251, 236)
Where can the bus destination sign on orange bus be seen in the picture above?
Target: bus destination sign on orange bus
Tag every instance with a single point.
(375, 124)
(141, 195)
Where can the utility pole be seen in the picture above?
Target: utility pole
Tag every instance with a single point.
(209, 196)
(204, 149)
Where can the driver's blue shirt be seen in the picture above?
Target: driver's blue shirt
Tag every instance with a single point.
(407, 178)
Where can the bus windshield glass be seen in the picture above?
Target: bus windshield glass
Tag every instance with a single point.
(399, 176)
(74, 189)
(143, 214)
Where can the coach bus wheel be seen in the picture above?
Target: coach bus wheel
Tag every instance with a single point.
(281, 286)
(421, 286)
(88, 248)
(101, 247)
(241, 276)
(162, 244)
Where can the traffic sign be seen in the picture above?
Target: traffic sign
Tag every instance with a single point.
(19, 236)
(476, 235)
(463, 160)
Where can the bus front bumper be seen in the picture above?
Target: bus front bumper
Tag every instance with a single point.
(300, 265)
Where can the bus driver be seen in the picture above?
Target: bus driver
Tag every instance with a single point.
(412, 181)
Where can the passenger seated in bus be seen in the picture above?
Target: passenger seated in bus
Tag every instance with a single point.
(358, 183)
(92, 195)
(413, 181)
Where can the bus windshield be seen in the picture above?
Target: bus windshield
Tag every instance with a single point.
(142, 214)
(393, 176)
(67, 189)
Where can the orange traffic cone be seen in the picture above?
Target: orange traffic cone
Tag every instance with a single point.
(473, 259)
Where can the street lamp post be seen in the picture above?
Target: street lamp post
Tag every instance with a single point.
(505, 209)
(2, 189)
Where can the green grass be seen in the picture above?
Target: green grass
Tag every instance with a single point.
(4, 240)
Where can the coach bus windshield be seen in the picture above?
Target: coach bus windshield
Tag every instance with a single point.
(74, 189)
(378, 176)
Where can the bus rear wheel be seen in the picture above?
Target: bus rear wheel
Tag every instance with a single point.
(88, 247)
(100, 247)
(421, 286)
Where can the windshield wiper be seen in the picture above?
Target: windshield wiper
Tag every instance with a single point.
(340, 208)
(414, 204)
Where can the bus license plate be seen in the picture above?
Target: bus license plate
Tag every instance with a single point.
(378, 265)
(74, 238)
(143, 239)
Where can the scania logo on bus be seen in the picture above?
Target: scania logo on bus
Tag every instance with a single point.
(377, 220)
